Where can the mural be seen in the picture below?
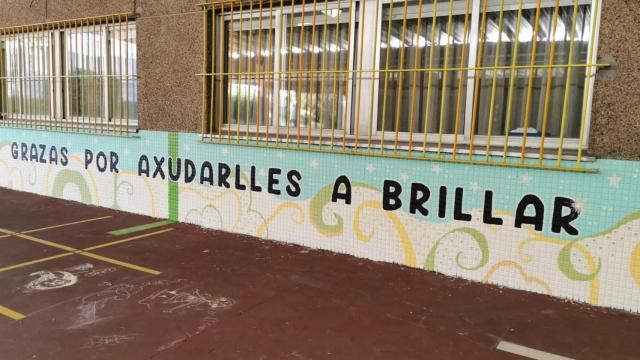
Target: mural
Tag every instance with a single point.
(569, 235)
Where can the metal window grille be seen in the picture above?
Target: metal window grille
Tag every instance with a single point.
(495, 82)
(75, 75)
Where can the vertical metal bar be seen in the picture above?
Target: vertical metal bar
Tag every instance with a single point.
(323, 72)
(400, 77)
(312, 75)
(30, 62)
(104, 66)
(50, 63)
(114, 77)
(221, 60)
(512, 80)
(14, 80)
(23, 89)
(95, 78)
(66, 65)
(299, 91)
(77, 75)
(443, 103)
(478, 78)
(547, 97)
(260, 73)
(415, 77)
(53, 81)
(434, 24)
(229, 77)
(126, 72)
(461, 79)
(386, 77)
(347, 78)
(360, 74)
(587, 85)
(212, 85)
(567, 88)
(240, 77)
(120, 78)
(279, 54)
(272, 54)
(37, 63)
(3, 79)
(83, 77)
(289, 73)
(494, 83)
(249, 77)
(204, 71)
(36, 76)
(532, 72)
(373, 75)
(335, 71)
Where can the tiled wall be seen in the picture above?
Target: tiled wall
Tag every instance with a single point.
(466, 237)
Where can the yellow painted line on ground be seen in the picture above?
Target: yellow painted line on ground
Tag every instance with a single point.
(84, 252)
(80, 252)
(121, 263)
(127, 239)
(61, 225)
(10, 313)
(27, 263)
(37, 240)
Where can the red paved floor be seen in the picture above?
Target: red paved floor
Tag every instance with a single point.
(224, 296)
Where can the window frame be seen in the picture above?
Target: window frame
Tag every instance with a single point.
(58, 67)
(280, 27)
(368, 62)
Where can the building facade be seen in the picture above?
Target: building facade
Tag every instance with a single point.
(493, 140)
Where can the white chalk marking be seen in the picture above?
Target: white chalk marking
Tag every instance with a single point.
(529, 352)
(48, 280)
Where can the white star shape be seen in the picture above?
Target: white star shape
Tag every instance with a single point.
(371, 168)
(474, 187)
(614, 181)
(126, 151)
(147, 142)
(280, 155)
(314, 163)
(404, 177)
(526, 179)
(225, 151)
(187, 148)
(262, 172)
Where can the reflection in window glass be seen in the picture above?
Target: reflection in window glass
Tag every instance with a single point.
(249, 51)
(26, 89)
(317, 99)
(545, 39)
(436, 100)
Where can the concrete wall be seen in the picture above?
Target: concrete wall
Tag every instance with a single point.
(170, 53)
(615, 124)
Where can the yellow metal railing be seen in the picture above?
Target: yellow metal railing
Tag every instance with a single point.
(495, 82)
(73, 75)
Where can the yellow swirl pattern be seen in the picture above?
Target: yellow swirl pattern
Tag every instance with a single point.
(634, 265)
(512, 264)
(231, 192)
(286, 205)
(594, 293)
(409, 253)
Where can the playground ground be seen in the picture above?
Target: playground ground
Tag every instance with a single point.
(82, 282)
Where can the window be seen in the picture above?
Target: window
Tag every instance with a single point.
(76, 75)
(484, 81)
